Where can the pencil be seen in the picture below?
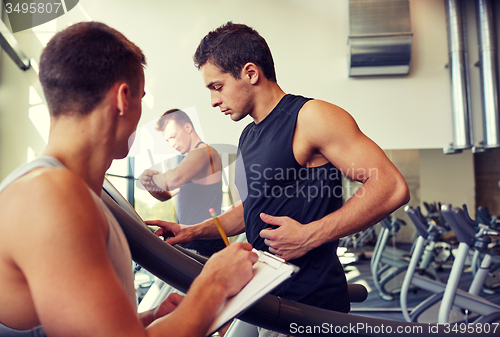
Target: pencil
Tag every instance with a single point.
(219, 227)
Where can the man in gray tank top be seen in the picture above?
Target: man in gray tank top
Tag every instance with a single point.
(65, 267)
(196, 180)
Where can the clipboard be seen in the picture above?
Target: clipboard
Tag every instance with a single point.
(268, 272)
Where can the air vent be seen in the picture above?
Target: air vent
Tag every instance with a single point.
(380, 37)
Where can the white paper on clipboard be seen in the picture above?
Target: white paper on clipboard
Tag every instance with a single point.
(269, 272)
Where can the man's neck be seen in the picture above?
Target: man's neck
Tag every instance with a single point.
(195, 140)
(82, 148)
(267, 97)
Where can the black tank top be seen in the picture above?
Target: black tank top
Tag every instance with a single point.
(275, 183)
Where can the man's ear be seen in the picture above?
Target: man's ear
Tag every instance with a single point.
(123, 95)
(188, 127)
(250, 72)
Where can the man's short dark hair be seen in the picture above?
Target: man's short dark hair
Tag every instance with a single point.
(177, 115)
(81, 63)
(231, 46)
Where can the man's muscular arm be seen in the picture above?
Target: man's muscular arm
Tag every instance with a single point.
(231, 221)
(190, 168)
(327, 130)
(74, 287)
(164, 195)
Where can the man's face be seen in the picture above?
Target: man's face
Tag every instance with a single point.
(232, 96)
(136, 101)
(177, 136)
(135, 112)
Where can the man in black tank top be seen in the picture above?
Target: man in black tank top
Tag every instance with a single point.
(196, 181)
(293, 154)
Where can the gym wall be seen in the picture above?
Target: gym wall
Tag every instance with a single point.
(309, 42)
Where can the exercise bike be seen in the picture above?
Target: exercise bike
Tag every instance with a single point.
(492, 282)
(388, 265)
(448, 303)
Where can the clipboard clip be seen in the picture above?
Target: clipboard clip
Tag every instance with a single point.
(272, 260)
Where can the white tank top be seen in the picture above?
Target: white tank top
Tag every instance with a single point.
(117, 246)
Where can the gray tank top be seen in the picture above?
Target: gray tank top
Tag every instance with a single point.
(117, 246)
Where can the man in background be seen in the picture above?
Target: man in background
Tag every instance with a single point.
(197, 180)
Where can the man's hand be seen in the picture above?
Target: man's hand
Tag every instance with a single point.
(290, 240)
(231, 267)
(168, 305)
(176, 232)
(146, 179)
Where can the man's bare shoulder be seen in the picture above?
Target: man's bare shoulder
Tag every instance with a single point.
(319, 119)
(201, 156)
(48, 204)
(204, 152)
(321, 111)
(52, 233)
(42, 186)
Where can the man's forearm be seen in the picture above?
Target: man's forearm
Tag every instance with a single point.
(200, 305)
(223, 276)
(232, 222)
(146, 317)
(369, 205)
(162, 195)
